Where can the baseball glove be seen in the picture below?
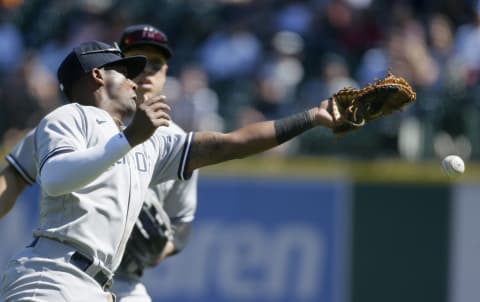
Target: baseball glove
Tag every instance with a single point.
(147, 241)
(351, 108)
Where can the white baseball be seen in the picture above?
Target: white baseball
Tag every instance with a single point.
(453, 165)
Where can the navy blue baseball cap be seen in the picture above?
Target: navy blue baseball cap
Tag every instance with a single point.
(144, 34)
(94, 54)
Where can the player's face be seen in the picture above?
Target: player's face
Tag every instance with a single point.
(152, 79)
(120, 89)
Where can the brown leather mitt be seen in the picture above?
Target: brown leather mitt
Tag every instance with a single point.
(351, 108)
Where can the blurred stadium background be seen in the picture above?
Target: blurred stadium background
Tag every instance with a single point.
(364, 218)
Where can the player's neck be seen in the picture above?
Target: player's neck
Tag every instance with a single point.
(119, 123)
(119, 112)
(118, 119)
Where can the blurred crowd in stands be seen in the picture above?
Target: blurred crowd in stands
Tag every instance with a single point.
(240, 61)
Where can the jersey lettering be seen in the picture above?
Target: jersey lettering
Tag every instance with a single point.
(141, 162)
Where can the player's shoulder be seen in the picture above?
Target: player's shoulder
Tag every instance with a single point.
(27, 139)
(75, 111)
(28, 136)
(63, 111)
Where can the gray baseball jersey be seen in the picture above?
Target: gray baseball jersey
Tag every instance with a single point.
(98, 218)
(178, 199)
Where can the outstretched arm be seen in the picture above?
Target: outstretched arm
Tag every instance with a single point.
(11, 185)
(210, 148)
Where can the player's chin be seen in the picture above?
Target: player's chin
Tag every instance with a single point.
(131, 104)
(131, 111)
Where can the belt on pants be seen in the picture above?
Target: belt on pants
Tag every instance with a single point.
(84, 263)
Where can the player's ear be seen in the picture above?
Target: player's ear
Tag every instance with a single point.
(98, 76)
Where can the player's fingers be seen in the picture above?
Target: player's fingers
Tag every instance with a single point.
(160, 106)
(158, 110)
(162, 119)
(157, 98)
(159, 115)
(146, 96)
(162, 115)
(155, 106)
(162, 122)
(150, 99)
(155, 116)
(162, 98)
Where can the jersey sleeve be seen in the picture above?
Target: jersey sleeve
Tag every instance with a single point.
(21, 159)
(171, 151)
(63, 130)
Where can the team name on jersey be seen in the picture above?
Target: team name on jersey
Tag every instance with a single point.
(141, 160)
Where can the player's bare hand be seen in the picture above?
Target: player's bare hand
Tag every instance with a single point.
(142, 95)
(321, 114)
(150, 114)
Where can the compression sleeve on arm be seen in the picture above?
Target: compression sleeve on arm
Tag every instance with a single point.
(63, 173)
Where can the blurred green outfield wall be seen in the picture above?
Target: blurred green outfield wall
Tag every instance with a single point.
(400, 242)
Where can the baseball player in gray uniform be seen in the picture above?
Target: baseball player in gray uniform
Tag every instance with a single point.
(86, 221)
(94, 172)
(174, 202)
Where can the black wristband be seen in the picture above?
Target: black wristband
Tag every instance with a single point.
(291, 126)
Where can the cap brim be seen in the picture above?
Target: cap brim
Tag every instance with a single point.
(134, 64)
(162, 47)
